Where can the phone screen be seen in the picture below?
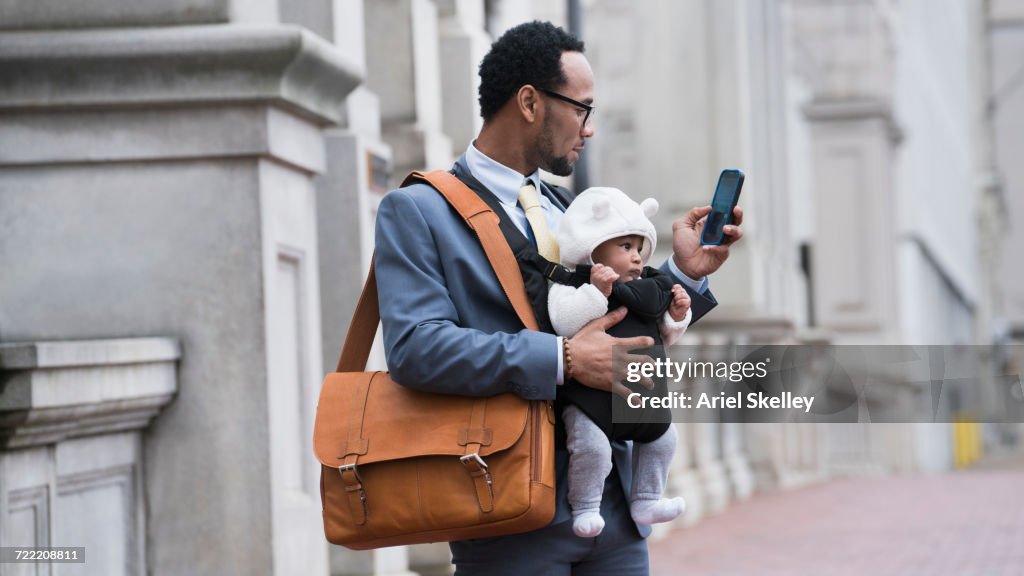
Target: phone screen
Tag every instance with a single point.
(727, 193)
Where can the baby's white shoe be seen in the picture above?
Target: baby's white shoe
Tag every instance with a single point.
(656, 511)
(587, 524)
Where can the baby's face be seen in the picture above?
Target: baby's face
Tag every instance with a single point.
(621, 254)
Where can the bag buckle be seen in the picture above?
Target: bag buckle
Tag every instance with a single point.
(356, 486)
(474, 458)
(481, 476)
(350, 468)
(476, 467)
(352, 486)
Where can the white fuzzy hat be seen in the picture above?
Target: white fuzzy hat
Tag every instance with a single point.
(600, 214)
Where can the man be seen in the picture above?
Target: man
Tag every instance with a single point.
(448, 326)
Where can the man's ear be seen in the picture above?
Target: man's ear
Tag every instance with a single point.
(528, 102)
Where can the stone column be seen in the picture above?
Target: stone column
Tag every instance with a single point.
(683, 479)
(741, 478)
(162, 174)
(431, 559)
(404, 70)
(787, 455)
(711, 471)
(853, 146)
(707, 431)
(357, 175)
(71, 466)
(792, 454)
(844, 56)
(464, 42)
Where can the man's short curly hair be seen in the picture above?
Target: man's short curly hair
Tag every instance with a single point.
(529, 53)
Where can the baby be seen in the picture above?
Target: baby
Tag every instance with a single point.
(606, 239)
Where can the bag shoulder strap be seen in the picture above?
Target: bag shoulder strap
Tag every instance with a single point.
(484, 222)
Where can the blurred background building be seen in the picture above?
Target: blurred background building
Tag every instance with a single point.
(187, 194)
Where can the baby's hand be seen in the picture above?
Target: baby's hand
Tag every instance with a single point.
(603, 277)
(680, 303)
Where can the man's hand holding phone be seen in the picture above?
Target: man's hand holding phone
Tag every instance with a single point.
(690, 253)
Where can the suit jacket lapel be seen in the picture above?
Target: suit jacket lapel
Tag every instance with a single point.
(560, 197)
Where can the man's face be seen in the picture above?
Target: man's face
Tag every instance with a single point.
(621, 254)
(563, 133)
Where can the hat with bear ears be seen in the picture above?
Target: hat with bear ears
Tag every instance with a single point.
(600, 214)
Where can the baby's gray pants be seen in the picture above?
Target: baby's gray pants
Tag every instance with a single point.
(590, 462)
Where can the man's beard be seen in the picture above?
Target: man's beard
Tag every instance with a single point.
(560, 166)
(557, 165)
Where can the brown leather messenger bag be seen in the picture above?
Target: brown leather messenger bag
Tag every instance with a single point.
(400, 466)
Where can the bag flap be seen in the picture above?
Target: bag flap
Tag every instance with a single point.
(396, 422)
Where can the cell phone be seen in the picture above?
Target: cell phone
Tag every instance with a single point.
(727, 194)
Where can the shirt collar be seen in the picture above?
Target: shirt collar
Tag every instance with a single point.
(501, 180)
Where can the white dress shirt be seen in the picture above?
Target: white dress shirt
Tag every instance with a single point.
(505, 183)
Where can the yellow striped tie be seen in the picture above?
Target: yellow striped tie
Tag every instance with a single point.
(546, 244)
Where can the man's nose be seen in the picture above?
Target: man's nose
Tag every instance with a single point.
(588, 129)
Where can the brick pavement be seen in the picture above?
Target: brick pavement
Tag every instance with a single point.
(963, 524)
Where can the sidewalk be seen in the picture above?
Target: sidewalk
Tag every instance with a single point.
(962, 523)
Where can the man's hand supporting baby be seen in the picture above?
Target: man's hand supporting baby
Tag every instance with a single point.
(599, 360)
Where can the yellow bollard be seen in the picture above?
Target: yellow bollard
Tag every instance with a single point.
(968, 444)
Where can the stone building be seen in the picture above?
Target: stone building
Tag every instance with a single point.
(187, 192)
(861, 128)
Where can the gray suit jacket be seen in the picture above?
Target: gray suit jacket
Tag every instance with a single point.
(448, 327)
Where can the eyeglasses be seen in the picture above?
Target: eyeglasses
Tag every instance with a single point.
(584, 109)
